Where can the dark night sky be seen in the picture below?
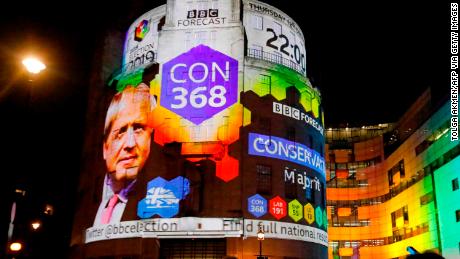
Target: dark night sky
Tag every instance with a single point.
(370, 62)
(384, 53)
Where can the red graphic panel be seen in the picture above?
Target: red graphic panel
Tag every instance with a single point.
(278, 207)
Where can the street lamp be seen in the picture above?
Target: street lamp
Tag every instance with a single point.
(260, 237)
(36, 224)
(16, 246)
(33, 65)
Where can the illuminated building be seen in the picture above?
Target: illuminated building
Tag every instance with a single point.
(392, 186)
(237, 145)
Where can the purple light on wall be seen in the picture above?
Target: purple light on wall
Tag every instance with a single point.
(199, 83)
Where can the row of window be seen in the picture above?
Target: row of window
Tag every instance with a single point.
(339, 137)
(400, 216)
(426, 171)
(343, 175)
(354, 165)
(349, 182)
(441, 131)
(405, 233)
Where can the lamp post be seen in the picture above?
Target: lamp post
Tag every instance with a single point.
(260, 237)
(33, 66)
(34, 69)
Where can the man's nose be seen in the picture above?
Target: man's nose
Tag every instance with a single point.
(131, 140)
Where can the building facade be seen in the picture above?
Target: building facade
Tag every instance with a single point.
(208, 135)
(392, 186)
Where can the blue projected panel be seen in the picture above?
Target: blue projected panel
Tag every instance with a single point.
(163, 197)
(279, 148)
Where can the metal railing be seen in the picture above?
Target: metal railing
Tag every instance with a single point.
(388, 240)
(274, 58)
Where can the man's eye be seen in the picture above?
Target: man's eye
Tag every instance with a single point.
(120, 132)
(138, 128)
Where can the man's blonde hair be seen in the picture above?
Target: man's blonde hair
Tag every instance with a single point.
(138, 94)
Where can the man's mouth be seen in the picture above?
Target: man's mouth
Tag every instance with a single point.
(127, 159)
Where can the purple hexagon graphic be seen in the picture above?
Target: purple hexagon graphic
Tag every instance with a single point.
(199, 83)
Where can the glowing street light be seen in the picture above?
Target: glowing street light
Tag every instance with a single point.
(16, 246)
(260, 235)
(36, 225)
(33, 65)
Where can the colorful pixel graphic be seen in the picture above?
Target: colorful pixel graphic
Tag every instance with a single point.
(141, 30)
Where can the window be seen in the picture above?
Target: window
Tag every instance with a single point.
(323, 197)
(265, 79)
(195, 133)
(277, 28)
(265, 84)
(437, 134)
(427, 198)
(311, 143)
(406, 215)
(310, 194)
(292, 96)
(332, 158)
(188, 40)
(290, 134)
(202, 6)
(422, 147)
(201, 37)
(398, 171)
(455, 184)
(457, 214)
(393, 219)
(193, 248)
(401, 168)
(400, 217)
(265, 125)
(257, 22)
(264, 179)
(290, 190)
(213, 37)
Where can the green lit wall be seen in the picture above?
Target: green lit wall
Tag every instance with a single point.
(448, 203)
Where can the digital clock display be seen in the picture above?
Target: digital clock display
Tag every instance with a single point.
(274, 36)
(282, 43)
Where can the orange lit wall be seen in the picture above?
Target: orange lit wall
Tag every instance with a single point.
(379, 226)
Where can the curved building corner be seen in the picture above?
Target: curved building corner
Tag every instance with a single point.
(391, 186)
(209, 134)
